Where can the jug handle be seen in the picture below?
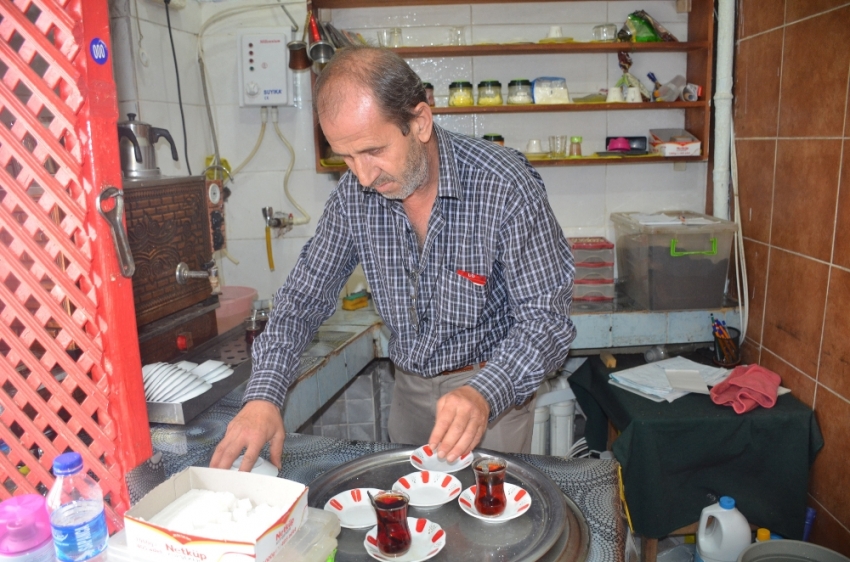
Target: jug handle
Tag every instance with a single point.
(131, 136)
(156, 133)
(703, 522)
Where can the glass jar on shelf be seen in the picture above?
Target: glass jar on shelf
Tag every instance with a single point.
(460, 94)
(429, 93)
(575, 146)
(490, 92)
(519, 92)
(496, 138)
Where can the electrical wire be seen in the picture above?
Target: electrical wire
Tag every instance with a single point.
(179, 94)
(740, 262)
(264, 113)
(306, 217)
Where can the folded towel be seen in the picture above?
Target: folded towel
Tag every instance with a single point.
(746, 387)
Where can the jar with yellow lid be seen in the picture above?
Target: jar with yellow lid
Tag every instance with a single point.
(490, 92)
(460, 94)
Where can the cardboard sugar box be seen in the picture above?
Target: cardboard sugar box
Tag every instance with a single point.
(284, 514)
(673, 142)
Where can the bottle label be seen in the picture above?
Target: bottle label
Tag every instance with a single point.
(77, 535)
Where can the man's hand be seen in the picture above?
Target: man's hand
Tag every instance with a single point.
(461, 422)
(258, 423)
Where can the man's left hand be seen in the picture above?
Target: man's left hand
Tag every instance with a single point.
(461, 422)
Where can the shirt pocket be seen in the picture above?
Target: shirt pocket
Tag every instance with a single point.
(461, 301)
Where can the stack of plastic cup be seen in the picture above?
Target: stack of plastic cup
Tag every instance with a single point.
(25, 530)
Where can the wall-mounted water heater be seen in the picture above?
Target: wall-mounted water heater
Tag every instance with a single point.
(263, 62)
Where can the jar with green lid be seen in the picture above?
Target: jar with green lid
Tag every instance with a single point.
(429, 93)
(492, 137)
(490, 92)
(460, 94)
(519, 92)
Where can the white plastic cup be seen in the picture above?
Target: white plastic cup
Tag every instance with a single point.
(615, 95)
(534, 147)
(555, 32)
(633, 95)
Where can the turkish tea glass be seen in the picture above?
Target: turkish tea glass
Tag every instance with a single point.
(490, 498)
(393, 532)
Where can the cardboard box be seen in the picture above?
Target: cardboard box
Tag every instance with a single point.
(152, 540)
(674, 142)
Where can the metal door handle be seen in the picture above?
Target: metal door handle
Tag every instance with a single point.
(119, 235)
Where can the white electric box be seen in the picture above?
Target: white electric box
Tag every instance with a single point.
(264, 77)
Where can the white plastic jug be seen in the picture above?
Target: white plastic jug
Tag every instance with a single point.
(723, 532)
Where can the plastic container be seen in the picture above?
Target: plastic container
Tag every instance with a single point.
(550, 90)
(575, 146)
(671, 90)
(723, 532)
(596, 290)
(789, 551)
(490, 92)
(25, 530)
(460, 94)
(75, 504)
(676, 260)
(594, 271)
(315, 541)
(592, 249)
(236, 304)
(519, 92)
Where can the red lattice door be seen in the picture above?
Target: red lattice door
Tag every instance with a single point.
(70, 369)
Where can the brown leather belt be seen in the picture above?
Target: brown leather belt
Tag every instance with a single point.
(464, 369)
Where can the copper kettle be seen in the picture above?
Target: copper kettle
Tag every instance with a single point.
(137, 147)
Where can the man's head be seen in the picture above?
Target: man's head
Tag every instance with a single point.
(373, 112)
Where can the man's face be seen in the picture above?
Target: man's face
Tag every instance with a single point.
(375, 150)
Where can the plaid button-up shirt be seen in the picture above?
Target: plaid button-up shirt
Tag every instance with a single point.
(492, 282)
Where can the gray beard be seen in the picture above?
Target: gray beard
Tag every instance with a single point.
(414, 176)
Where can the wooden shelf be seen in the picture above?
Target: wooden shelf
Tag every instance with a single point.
(394, 3)
(547, 49)
(549, 108)
(571, 162)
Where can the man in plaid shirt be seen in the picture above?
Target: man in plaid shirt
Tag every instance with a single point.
(468, 268)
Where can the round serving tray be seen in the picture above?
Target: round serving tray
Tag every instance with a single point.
(553, 529)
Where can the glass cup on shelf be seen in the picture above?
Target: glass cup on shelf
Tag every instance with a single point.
(390, 38)
(457, 36)
(558, 146)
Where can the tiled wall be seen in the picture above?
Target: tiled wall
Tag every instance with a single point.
(582, 197)
(792, 127)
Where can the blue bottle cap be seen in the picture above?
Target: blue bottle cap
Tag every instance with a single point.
(67, 463)
(727, 503)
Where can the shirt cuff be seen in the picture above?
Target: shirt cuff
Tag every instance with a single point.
(265, 385)
(493, 383)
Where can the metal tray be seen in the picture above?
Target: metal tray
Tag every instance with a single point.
(553, 529)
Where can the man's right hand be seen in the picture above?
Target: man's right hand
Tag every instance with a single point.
(258, 423)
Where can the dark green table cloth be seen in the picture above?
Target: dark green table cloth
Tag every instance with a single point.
(679, 457)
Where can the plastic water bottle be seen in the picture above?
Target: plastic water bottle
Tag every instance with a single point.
(25, 530)
(723, 533)
(77, 519)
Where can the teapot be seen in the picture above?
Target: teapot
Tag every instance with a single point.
(136, 147)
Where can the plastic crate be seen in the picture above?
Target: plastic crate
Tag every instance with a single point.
(594, 271)
(601, 290)
(594, 249)
(675, 260)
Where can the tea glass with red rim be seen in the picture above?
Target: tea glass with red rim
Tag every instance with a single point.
(490, 500)
(393, 533)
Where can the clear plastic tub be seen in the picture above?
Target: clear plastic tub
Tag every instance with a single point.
(594, 271)
(602, 290)
(675, 260)
(592, 249)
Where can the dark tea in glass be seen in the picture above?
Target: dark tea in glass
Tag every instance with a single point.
(393, 532)
(490, 486)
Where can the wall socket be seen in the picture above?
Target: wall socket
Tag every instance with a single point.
(173, 5)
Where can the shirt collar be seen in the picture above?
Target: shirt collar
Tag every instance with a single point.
(449, 185)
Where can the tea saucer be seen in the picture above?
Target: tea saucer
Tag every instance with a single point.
(424, 458)
(353, 508)
(206, 367)
(261, 466)
(197, 391)
(518, 502)
(428, 489)
(427, 539)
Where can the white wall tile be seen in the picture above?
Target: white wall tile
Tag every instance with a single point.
(441, 72)
(655, 187)
(627, 123)
(253, 269)
(549, 13)
(249, 194)
(399, 16)
(188, 19)
(577, 195)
